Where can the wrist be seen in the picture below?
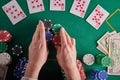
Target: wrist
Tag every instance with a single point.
(32, 71)
(73, 74)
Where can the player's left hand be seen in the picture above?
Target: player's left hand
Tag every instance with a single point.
(38, 51)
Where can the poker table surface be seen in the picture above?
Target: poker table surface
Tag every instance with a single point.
(86, 36)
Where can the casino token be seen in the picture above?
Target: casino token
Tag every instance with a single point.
(49, 36)
(93, 74)
(102, 75)
(20, 67)
(103, 60)
(88, 59)
(3, 47)
(5, 59)
(56, 39)
(106, 61)
(5, 36)
(17, 50)
(81, 70)
(47, 24)
(56, 28)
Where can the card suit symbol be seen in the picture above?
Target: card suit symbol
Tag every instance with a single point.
(15, 10)
(11, 12)
(14, 17)
(13, 6)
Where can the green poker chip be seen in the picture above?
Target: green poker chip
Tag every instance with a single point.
(3, 47)
(104, 60)
(56, 28)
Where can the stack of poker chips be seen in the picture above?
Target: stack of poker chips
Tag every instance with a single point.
(5, 58)
(103, 60)
(98, 75)
(20, 67)
(52, 32)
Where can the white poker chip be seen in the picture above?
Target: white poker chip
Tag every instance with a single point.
(88, 59)
(5, 59)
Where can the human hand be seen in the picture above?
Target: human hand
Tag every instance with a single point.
(66, 56)
(38, 52)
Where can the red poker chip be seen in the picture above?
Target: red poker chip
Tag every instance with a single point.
(56, 39)
(81, 70)
(5, 36)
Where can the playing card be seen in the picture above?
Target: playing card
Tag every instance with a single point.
(97, 17)
(79, 7)
(35, 6)
(58, 5)
(14, 12)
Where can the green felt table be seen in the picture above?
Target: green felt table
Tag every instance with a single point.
(85, 35)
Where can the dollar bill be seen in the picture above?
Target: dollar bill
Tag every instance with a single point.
(3, 72)
(114, 54)
(103, 42)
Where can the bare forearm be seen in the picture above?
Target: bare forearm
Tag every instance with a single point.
(32, 71)
(73, 75)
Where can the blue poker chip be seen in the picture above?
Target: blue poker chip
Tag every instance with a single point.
(20, 67)
(49, 36)
(93, 74)
(103, 75)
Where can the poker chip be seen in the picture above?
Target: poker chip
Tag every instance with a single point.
(20, 67)
(81, 70)
(47, 24)
(56, 39)
(103, 60)
(102, 75)
(5, 59)
(3, 47)
(88, 59)
(17, 50)
(56, 28)
(5, 36)
(49, 36)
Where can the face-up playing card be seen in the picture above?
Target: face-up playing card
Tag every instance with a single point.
(58, 5)
(14, 12)
(35, 6)
(79, 7)
(97, 17)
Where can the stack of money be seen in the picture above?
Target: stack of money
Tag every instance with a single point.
(109, 44)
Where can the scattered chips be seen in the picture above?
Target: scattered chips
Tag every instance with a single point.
(56, 28)
(47, 24)
(5, 36)
(98, 75)
(88, 59)
(56, 40)
(3, 47)
(49, 36)
(17, 50)
(5, 59)
(20, 67)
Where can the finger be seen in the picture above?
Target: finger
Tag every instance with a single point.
(73, 41)
(42, 31)
(68, 38)
(36, 34)
(63, 37)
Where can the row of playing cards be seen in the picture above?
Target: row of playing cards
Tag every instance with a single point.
(79, 8)
(16, 14)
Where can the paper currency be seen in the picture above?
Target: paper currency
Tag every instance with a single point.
(114, 54)
(103, 42)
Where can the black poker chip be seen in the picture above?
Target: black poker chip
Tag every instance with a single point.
(17, 50)
(47, 24)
